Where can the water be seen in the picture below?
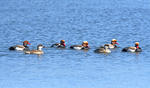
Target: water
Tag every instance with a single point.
(97, 21)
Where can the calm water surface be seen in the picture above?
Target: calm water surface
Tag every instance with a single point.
(97, 21)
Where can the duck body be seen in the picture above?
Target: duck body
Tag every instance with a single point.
(59, 45)
(84, 46)
(20, 47)
(38, 51)
(113, 43)
(131, 49)
(34, 52)
(111, 46)
(78, 47)
(103, 49)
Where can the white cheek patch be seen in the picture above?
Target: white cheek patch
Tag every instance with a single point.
(40, 48)
(20, 49)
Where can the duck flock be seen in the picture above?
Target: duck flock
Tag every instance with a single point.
(106, 48)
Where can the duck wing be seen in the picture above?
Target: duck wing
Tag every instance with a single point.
(18, 47)
(100, 50)
(56, 44)
(12, 48)
(132, 48)
(125, 49)
(75, 46)
(34, 52)
(30, 51)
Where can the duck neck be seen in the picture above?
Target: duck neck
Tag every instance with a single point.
(25, 45)
(85, 45)
(63, 44)
(137, 46)
(112, 43)
(105, 48)
(39, 48)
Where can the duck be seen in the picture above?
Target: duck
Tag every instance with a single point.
(21, 47)
(113, 43)
(103, 49)
(59, 45)
(84, 46)
(38, 51)
(136, 48)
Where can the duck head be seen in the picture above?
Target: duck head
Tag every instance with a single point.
(40, 46)
(137, 44)
(106, 46)
(114, 42)
(85, 44)
(25, 43)
(62, 42)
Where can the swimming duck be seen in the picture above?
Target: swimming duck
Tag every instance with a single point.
(60, 45)
(84, 46)
(113, 44)
(103, 49)
(133, 49)
(21, 47)
(38, 51)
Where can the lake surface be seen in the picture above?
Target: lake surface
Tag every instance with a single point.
(96, 21)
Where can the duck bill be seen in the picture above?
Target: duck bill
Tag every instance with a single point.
(64, 44)
(117, 43)
(29, 43)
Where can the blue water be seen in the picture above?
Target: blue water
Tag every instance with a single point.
(96, 21)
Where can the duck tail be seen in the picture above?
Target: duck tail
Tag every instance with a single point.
(125, 49)
(12, 48)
